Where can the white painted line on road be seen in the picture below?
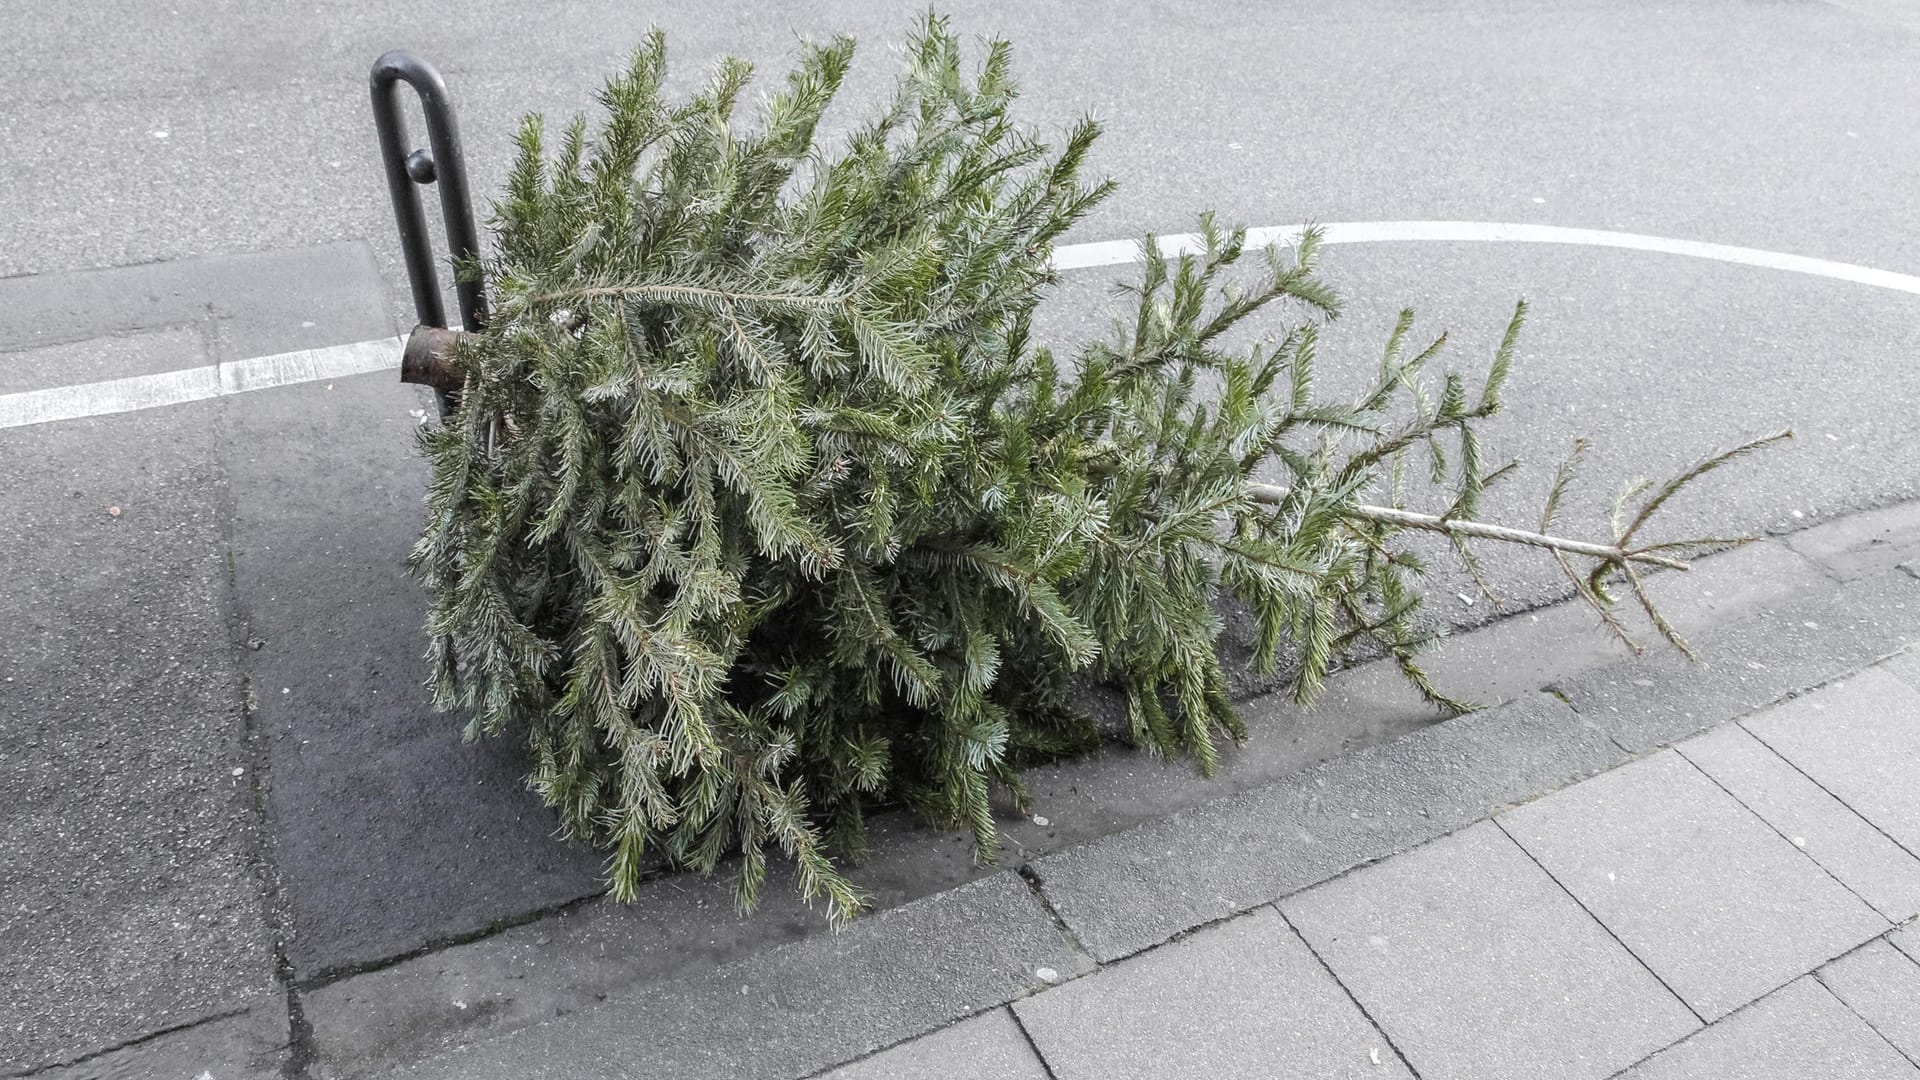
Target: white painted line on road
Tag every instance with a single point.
(197, 384)
(312, 365)
(1114, 252)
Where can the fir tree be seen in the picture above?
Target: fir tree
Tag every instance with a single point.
(760, 507)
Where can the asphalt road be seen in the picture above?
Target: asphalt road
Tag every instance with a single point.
(138, 133)
(141, 131)
(224, 151)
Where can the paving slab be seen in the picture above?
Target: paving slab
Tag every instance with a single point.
(1663, 697)
(796, 1010)
(144, 352)
(393, 833)
(990, 1046)
(679, 926)
(1138, 888)
(129, 871)
(1881, 985)
(803, 1007)
(1860, 740)
(1797, 1032)
(1244, 999)
(1863, 543)
(1479, 966)
(1715, 902)
(250, 1046)
(1880, 871)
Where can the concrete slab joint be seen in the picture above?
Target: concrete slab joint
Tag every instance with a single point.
(1245, 1000)
(1882, 987)
(1480, 966)
(1796, 1032)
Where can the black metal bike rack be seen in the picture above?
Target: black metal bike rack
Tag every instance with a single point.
(444, 163)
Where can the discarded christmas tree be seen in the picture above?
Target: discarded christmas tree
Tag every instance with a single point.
(760, 508)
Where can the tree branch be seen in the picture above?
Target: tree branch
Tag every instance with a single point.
(1274, 494)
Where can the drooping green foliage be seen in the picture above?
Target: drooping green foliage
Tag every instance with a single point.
(761, 507)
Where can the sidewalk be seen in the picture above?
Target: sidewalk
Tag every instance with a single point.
(1739, 905)
(1652, 870)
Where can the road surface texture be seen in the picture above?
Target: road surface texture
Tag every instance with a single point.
(236, 841)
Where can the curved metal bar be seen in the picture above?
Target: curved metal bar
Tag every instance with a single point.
(446, 165)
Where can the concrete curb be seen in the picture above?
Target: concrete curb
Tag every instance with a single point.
(796, 1010)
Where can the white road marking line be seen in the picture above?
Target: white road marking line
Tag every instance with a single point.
(1114, 252)
(197, 384)
(312, 365)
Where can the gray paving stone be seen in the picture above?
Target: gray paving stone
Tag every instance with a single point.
(1244, 999)
(799, 1009)
(143, 353)
(679, 926)
(129, 848)
(1799, 1032)
(1715, 902)
(1864, 543)
(987, 1047)
(1663, 697)
(1480, 967)
(250, 1046)
(1138, 888)
(1861, 741)
(1861, 856)
(1882, 986)
(393, 831)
